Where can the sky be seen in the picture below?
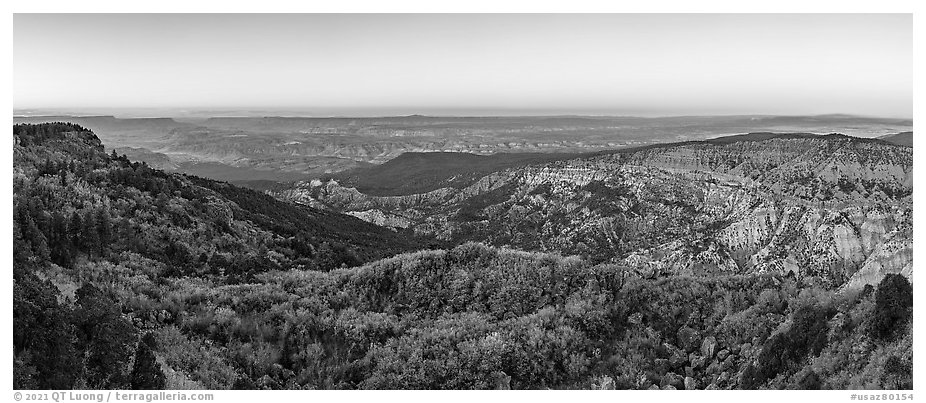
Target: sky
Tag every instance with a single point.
(601, 64)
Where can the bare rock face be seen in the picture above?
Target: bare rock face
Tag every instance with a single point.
(893, 256)
(708, 346)
(723, 354)
(382, 219)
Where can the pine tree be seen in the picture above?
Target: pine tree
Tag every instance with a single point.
(32, 234)
(60, 240)
(106, 337)
(41, 330)
(104, 228)
(89, 233)
(146, 373)
(75, 228)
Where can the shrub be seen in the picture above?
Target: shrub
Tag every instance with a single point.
(807, 335)
(893, 307)
(809, 381)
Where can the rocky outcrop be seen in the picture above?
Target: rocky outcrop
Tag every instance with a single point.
(382, 219)
(894, 255)
(709, 347)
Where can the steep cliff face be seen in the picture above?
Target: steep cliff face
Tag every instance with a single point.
(893, 255)
(831, 207)
(817, 167)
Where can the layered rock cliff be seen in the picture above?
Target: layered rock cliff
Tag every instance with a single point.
(833, 207)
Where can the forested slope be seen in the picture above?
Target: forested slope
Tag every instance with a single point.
(81, 217)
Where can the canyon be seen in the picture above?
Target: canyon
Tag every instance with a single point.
(832, 207)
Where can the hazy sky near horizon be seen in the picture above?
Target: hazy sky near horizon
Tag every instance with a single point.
(649, 64)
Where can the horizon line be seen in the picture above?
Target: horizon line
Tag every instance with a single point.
(51, 112)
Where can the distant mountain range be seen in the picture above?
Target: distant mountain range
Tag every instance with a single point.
(283, 149)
